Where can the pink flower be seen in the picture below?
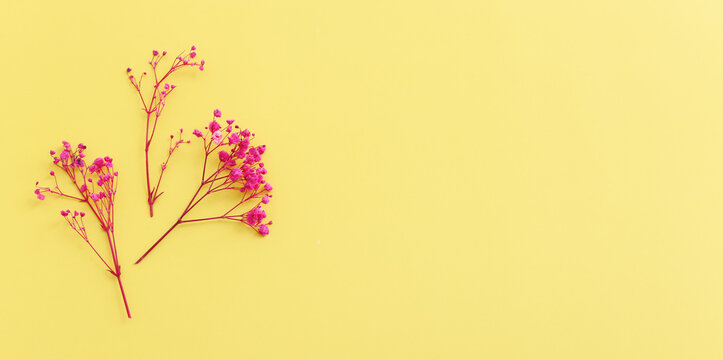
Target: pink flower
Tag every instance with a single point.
(214, 126)
(263, 230)
(255, 216)
(155, 52)
(197, 133)
(52, 152)
(217, 113)
(193, 47)
(245, 133)
(217, 137)
(229, 121)
(253, 155)
(223, 156)
(235, 174)
(192, 55)
(268, 187)
(64, 212)
(265, 199)
(65, 155)
(234, 139)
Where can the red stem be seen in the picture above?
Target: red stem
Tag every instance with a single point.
(96, 252)
(149, 108)
(158, 241)
(148, 176)
(205, 219)
(123, 294)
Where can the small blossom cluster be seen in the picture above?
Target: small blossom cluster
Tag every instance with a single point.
(96, 181)
(95, 184)
(184, 59)
(175, 143)
(256, 216)
(239, 171)
(75, 220)
(154, 105)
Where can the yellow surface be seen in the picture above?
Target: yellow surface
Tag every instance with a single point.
(455, 180)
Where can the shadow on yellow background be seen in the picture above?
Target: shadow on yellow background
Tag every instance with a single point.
(459, 180)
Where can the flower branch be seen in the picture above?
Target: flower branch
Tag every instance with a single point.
(239, 172)
(154, 106)
(94, 185)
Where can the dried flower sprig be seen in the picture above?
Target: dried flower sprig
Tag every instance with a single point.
(239, 172)
(95, 185)
(154, 106)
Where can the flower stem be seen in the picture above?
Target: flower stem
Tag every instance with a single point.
(148, 176)
(123, 293)
(159, 240)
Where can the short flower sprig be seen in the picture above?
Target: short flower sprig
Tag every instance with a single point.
(95, 185)
(153, 106)
(174, 144)
(239, 172)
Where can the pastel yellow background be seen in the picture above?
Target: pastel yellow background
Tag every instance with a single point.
(454, 180)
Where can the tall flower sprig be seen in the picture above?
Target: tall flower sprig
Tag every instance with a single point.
(239, 172)
(153, 107)
(95, 185)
